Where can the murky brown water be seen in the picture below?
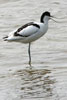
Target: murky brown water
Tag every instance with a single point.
(47, 79)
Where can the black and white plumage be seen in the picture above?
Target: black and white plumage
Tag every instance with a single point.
(30, 32)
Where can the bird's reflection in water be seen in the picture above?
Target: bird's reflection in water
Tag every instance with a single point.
(36, 83)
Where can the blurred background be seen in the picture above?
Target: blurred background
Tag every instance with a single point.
(46, 79)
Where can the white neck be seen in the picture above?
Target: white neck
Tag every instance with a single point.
(46, 19)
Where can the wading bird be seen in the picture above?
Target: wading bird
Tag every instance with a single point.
(30, 32)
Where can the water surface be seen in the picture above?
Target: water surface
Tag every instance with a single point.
(46, 79)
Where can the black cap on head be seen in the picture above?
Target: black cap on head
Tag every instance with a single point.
(45, 14)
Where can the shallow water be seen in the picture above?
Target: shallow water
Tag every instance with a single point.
(46, 79)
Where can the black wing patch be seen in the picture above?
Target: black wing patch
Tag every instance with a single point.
(24, 26)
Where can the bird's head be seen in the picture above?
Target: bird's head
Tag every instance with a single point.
(46, 16)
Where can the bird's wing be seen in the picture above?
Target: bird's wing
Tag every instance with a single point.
(27, 30)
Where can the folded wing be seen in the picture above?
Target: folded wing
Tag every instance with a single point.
(27, 30)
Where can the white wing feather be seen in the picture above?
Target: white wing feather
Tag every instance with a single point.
(29, 30)
(23, 33)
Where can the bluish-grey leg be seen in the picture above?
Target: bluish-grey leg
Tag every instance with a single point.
(29, 54)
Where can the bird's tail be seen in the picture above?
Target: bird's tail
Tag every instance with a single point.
(5, 38)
